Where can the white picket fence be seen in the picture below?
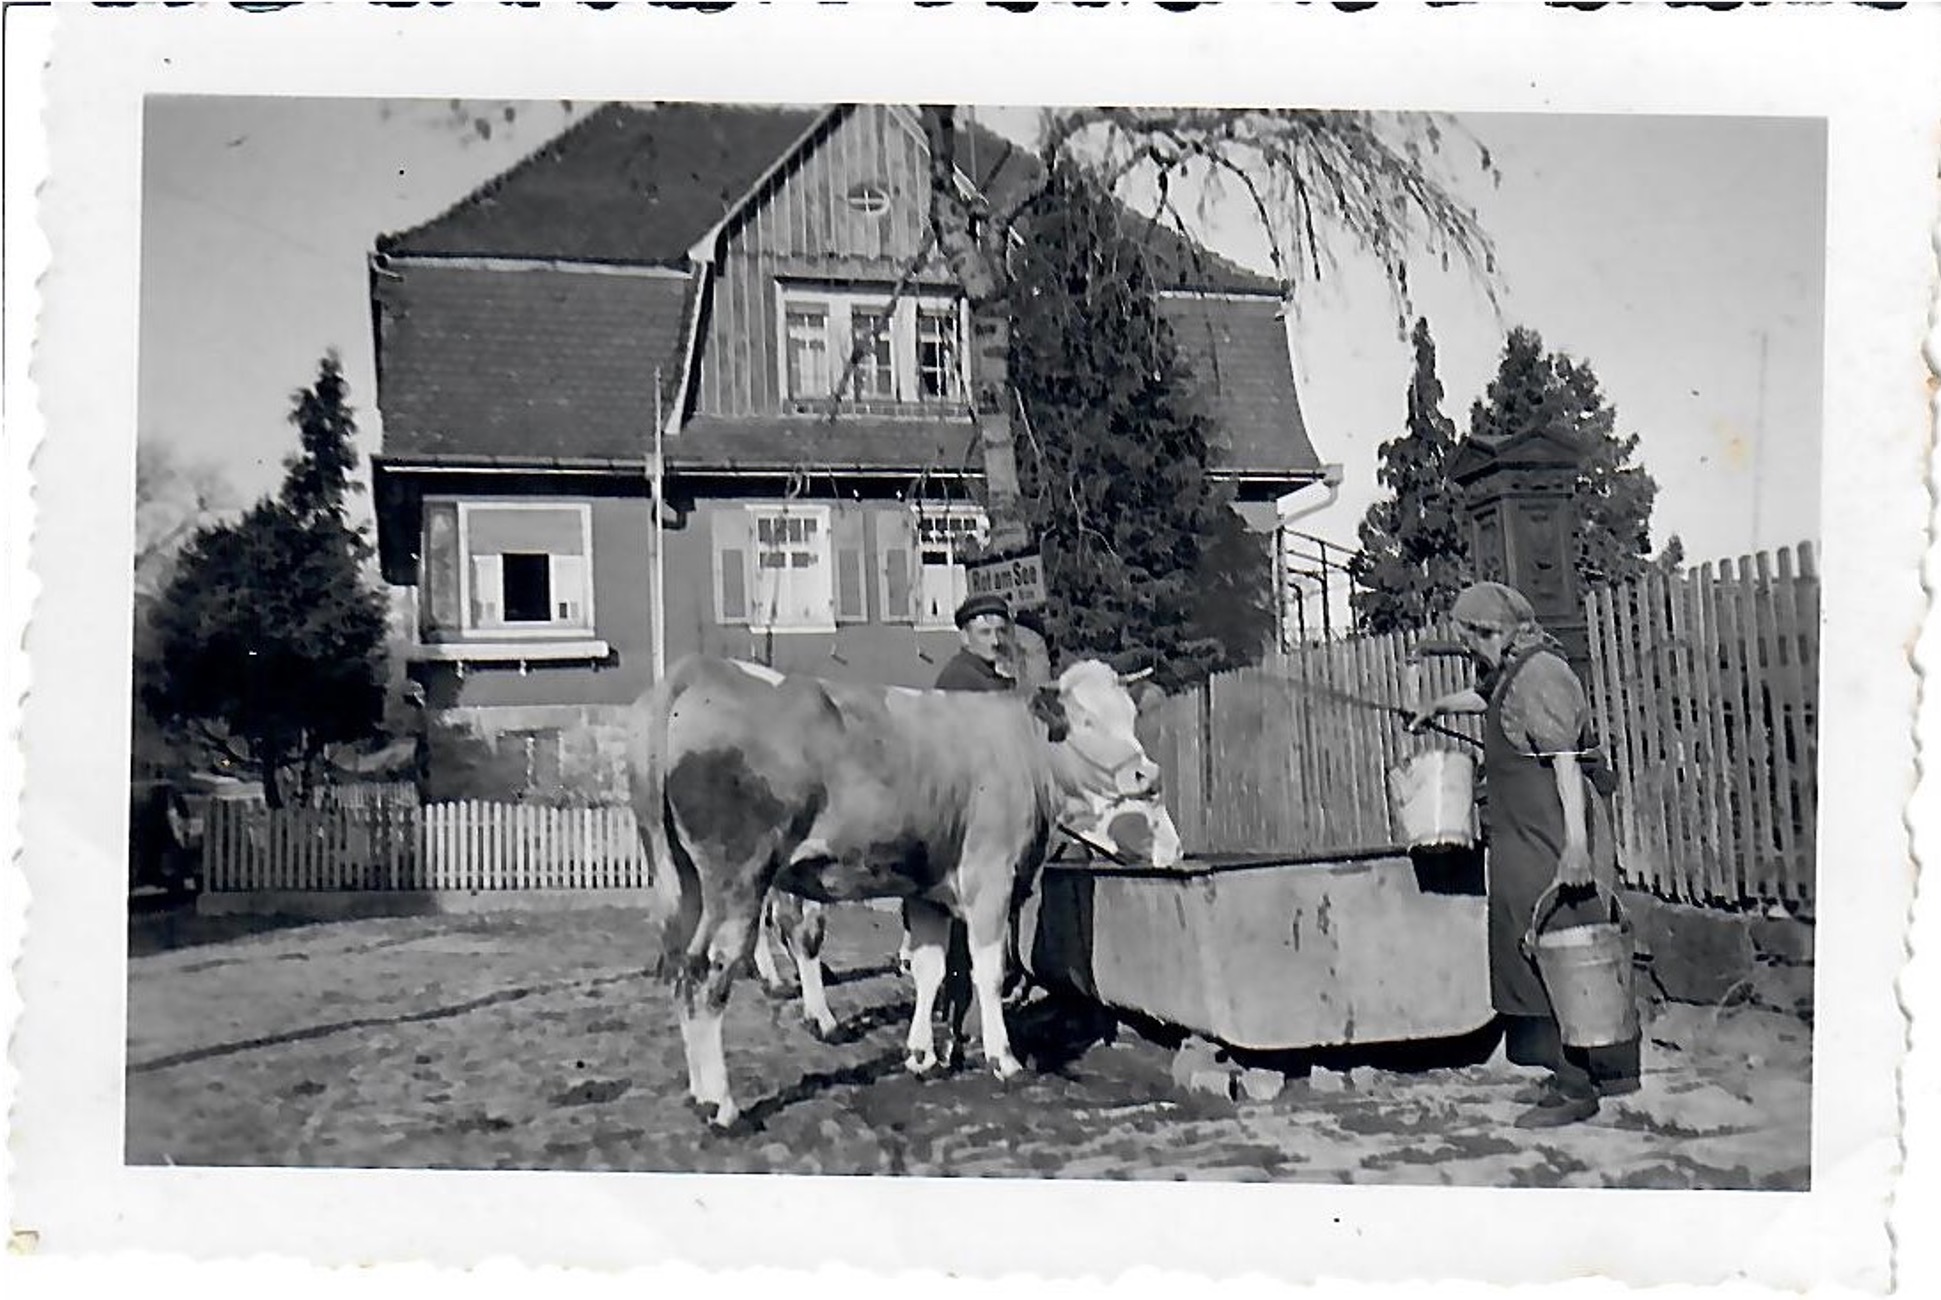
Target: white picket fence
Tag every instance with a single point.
(469, 846)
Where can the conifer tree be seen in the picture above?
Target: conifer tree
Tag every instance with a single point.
(1534, 389)
(1144, 557)
(269, 638)
(1414, 554)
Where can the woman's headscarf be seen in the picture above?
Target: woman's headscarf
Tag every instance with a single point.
(1492, 604)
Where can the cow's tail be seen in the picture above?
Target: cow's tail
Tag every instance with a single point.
(673, 888)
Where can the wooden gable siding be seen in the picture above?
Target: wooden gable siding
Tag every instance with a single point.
(803, 228)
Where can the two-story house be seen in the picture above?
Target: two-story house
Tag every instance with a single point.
(713, 270)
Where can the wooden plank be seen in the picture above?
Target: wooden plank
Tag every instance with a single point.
(214, 847)
(1696, 843)
(525, 836)
(447, 847)
(433, 856)
(1766, 871)
(1649, 776)
(1641, 738)
(1778, 618)
(602, 853)
(583, 847)
(1786, 677)
(1613, 722)
(276, 836)
(1384, 672)
(631, 864)
(469, 818)
(545, 846)
(1667, 682)
(452, 867)
(1710, 705)
(1742, 867)
(1807, 630)
(1698, 714)
(461, 833)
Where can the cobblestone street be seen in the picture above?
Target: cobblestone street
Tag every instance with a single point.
(537, 1041)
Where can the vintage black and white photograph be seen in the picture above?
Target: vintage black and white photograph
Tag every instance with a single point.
(1079, 640)
(1065, 747)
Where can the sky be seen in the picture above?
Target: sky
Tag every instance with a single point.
(1682, 258)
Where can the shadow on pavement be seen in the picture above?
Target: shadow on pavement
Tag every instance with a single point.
(811, 1086)
(152, 932)
(869, 1019)
(1052, 1033)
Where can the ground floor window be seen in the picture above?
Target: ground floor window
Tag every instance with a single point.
(506, 569)
(775, 567)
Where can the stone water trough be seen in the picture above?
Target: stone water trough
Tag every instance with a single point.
(1272, 952)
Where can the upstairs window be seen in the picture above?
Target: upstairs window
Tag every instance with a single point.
(906, 353)
(939, 377)
(873, 346)
(807, 351)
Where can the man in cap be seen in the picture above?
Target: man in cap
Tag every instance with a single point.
(1548, 820)
(984, 626)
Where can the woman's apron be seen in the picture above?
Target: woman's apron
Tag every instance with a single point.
(1524, 819)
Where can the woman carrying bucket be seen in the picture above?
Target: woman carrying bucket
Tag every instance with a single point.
(1550, 843)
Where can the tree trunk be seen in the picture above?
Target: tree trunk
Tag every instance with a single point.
(975, 253)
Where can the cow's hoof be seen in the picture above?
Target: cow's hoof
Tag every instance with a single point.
(777, 992)
(1006, 1068)
(922, 1064)
(725, 1118)
(822, 1032)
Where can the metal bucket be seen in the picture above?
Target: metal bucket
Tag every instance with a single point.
(1432, 797)
(1586, 969)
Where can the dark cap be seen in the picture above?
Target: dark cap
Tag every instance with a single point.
(976, 605)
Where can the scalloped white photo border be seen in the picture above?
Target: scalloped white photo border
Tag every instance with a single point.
(1871, 76)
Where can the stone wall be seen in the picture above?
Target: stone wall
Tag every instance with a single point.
(570, 754)
(1706, 956)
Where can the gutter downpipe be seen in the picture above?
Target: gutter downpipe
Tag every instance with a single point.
(657, 573)
(1287, 512)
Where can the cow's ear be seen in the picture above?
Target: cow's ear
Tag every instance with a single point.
(1049, 709)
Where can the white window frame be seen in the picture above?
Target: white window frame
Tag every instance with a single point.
(553, 628)
(836, 306)
(824, 620)
(922, 575)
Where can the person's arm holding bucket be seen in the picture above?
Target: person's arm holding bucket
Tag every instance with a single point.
(1547, 714)
(1468, 700)
(1574, 867)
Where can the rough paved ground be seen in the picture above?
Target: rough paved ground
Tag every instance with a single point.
(536, 1041)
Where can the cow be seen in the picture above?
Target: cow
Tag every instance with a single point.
(745, 780)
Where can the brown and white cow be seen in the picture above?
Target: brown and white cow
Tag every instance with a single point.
(746, 780)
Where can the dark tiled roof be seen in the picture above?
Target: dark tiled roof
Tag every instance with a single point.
(551, 363)
(540, 362)
(812, 443)
(624, 184)
(1237, 351)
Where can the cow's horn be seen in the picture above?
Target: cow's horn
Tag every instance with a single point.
(1127, 679)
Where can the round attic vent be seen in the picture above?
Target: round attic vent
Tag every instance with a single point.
(870, 198)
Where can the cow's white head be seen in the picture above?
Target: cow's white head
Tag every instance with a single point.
(1111, 789)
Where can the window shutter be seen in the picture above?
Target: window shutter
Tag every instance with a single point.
(852, 604)
(896, 550)
(731, 530)
(569, 593)
(438, 573)
(488, 591)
